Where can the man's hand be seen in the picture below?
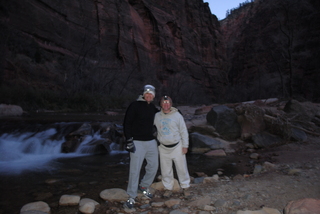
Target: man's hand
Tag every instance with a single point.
(130, 147)
(184, 150)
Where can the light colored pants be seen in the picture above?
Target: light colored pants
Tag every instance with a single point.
(169, 155)
(144, 150)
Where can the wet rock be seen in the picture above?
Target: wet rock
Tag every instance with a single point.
(114, 194)
(87, 208)
(69, 200)
(87, 200)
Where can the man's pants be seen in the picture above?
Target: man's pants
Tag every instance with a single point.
(144, 150)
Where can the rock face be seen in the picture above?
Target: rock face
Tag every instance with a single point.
(266, 43)
(81, 44)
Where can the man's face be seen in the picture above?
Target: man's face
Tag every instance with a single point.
(148, 97)
(165, 105)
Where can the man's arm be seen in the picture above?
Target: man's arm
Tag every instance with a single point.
(128, 122)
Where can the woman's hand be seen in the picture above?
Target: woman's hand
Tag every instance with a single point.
(184, 150)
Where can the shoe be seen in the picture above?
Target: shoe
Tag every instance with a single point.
(167, 194)
(129, 203)
(145, 191)
(187, 193)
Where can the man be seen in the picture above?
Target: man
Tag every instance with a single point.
(174, 142)
(141, 143)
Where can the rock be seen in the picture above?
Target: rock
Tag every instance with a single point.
(200, 202)
(115, 194)
(267, 166)
(304, 111)
(297, 135)
(203, 110)
(251, 120)
(225, 121)
(111, 113)
(38, 206)
(52, 181)
(208, 208)
(207, 180)
(218, 152)
(10, 110)
(172, 202)
(257, 169)
(204, 129)
(265, 140)
(157, 204)
(294, 171)
(201, 143)
(178, 212)
(303, 206)
(159, 186)
(87, 208)
(85, 129)
(254, 156)
(83, 201)
(264, 210)
(69, 200)
(174, 47)
(220, 203)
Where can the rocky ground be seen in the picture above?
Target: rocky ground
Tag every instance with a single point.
(296, 176)
(293, 173)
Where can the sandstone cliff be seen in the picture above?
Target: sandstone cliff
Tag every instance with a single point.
(273, 49)
(62, 54)
(111, 47)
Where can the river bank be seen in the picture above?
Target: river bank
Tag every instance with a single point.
(295, 175)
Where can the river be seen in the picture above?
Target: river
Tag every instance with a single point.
(33, 168)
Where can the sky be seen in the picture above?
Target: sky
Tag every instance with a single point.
(220, 7)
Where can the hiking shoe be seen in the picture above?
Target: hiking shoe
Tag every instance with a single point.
(145, 191)
(129, 203)
(187, 193)
(167, 194)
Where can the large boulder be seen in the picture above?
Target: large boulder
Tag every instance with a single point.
(303, 111)
(251, 120)
(225, 121)
(201, 143)
(303, 206)
(10, 110)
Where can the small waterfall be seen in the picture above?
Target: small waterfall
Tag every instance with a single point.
(35, 151)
